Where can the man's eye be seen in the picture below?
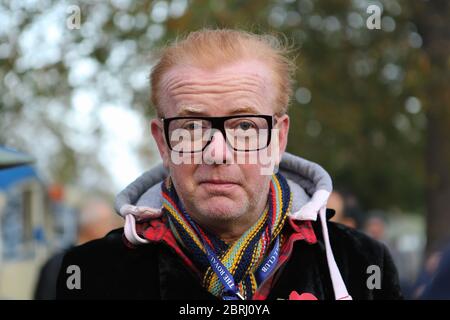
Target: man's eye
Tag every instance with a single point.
(245, 125)
(192, 126)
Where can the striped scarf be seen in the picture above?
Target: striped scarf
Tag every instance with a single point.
(242, 257)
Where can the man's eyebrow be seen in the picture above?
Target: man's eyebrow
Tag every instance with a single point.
(190, 111)
(244, 110)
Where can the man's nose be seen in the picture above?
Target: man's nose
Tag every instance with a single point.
(218, 151)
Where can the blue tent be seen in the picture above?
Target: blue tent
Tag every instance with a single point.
(11, 176)
(14, 167)
(11, 158)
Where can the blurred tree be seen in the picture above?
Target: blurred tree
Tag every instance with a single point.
(368, 104)
(432, 19)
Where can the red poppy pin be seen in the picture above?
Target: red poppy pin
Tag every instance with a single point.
(304, 296)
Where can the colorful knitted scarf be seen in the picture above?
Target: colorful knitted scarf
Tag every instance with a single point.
(242, 257)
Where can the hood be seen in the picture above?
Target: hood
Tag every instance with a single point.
(310, 186)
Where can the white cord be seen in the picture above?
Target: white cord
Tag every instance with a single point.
(130, 231)
(340, 290)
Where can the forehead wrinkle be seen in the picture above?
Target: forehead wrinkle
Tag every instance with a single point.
(216, 84)
(213, 78)
(201, 105)
(180, 76)
(215, 92)
(193, 100)
(253, 95)
(206, 98)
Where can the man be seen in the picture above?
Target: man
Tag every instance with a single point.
(94, 220)
(216, 220)
(336, 201)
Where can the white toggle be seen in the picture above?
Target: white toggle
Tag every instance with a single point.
(311, 209)
(130, 213)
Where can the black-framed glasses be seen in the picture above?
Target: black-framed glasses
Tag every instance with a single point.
(241, 132)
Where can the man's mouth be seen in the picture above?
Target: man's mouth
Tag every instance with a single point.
(218, 185)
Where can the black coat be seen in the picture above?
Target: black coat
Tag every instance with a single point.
(111, 270)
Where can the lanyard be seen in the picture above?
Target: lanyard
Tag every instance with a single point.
(226, 278)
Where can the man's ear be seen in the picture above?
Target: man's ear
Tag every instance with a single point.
(283, 131)
(156, 128)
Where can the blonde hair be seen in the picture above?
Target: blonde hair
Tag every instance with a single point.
(210, 48)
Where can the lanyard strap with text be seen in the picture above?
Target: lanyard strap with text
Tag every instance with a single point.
(226, 278)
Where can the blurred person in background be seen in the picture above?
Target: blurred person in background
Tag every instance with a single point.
(427, 273)
(375, 227)
(337, 203)
(95, 219)
(64, 217)
(436, 285)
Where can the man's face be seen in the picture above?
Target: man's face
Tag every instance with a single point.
(219, 191)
